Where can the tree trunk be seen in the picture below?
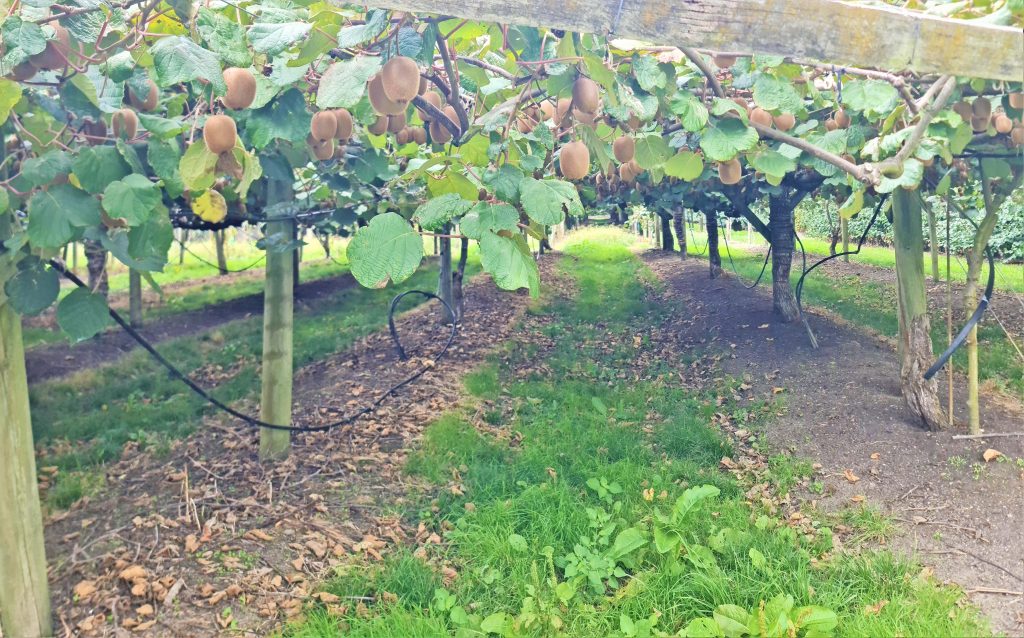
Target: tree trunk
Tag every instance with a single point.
(915, 342)
(296, 258)
(666, 232)
(444, 278)
(678, 224)
(96, 261)
(135, 298)
(933, 243)
(222, 260)
(181, 246)
(834, 241)
(276, 391)
(780, 222)
(74, 257)
(714, 259)
(844, 230)
(460, 274)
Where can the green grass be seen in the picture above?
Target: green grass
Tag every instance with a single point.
(609, 441)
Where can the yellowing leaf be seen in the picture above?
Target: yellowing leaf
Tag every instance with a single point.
(991, 454)
(850, 476)
(210, 207)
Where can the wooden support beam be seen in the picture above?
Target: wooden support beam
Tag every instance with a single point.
(825, 30)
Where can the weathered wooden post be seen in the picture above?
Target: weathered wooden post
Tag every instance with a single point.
(276, 395)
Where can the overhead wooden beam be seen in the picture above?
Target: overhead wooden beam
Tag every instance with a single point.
(826, 30)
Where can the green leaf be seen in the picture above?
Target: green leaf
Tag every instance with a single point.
(436, 212)
(665, 539)
(565, 591)
(343, 83)
(685, 165)
(22, 39)
(505, 183)
(56, 212)
(693, 115)
(599, 405)
(97, 166)
(701, 557)
(773, 163)
(518, 543)
(196, 167)
(285, 118)
(178, 59)
(626, 542)
(496, 623)
(776, 94)
(224, 36)
(148, 243)
(486, 216)
(726, 139)
(547, 201)
(41, 170)
(853, 204)
(33, 288)
(732, 620)
(10, 94)
(651, 150)
(702, 628)
(453, 182)
(814, 618)
(376, 22)
(161, 127)
(82, 314)
(388, 248)
(757, 559)
(163, 157)
(648, 74)
(507, 258)
(274, 38)
(691, 498)
(873, 98)
(131, 199)
(913, 171)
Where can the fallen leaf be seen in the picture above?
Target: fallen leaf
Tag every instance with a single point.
(191, 543)
(874, 610)
(144, 610)
(84, 588)
(133, 572)
(318, 549)
(327, 597)
(875, 456)
(259, 535)
(858, 498)
(850, 476)
(991, 454)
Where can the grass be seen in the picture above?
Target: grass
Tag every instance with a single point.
(553, 536)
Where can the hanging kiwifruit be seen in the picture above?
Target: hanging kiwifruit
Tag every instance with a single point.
(635, 167)
(323, 126)
(1016, 101)
(633, 123)
(125, 123)
(761, 116)
(979, 123)
(345, 124)
(323, 149)
(1002, 123)
(339, 151)
(730, 172)
(403, 136)
(24, 71)
(1017, 136)
(379, 100)
(723, 61)
(419, 135)
(831, 124)
(742, 103)
(439, 134)
(433, 98)
(379, 126)
(574, 161)
(55, 55)
(584, 117)
(784, 121)
(563, 111)
(981, 107)
(424, 85)
(842, 118)
(525, 124)
(147, 102)
(95, 132)
(547, 110)
(400, 79)
(396, 123)
(626, 173)
(241, 88)
(963, 109)
(219, 134)
(624, 148)
(585, 95)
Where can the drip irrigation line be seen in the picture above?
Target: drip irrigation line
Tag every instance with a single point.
(799, 306)
(252, 421)
(764, 266)
(213, 265)
(693, 237)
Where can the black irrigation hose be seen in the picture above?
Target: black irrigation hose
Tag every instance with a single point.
(764, 266)
(254, 422)
(693, 238)
(213, 265)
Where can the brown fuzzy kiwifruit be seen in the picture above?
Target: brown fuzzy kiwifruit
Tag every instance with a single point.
(55, 55)
(219, 134)
(241, 88)
(574, 161)
(125, 123)
(584, 117)
(842, 118)
(424, 85)
(439, 134)
(419, 135)
(379, 126)
(345, 124)
(379, 100)
(979, 123)
(634, 122)
(761, 116)
(24, 71)
(1016, 101)
(400, 79)
(323, 126)
(339, 151)
(963, 109)
(404, 136)
(547, 110)
(742, 103)
(784, 121)
(95, 132)
(981, 107)
(585, 95)
(831, 124)
(1002, 123)
(635, 167)
(433, 98)
(562, 111)
(323, 149)
(1017, 136)
(624, 148)
(525, 124)
(730, 172)
(396, 123)
(626, 173)
(147, 102)
(449, 112)
(724, 61)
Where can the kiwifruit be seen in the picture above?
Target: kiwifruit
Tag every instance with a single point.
(574, 161)
(419, 135)
(219, 133)
(979, 123)
(761, 116)
(379, 100)
(1017, 136)
(149, 101)
(842, 118)
(400, 79)
(634, 122)
(55, 55)
(585, 95)
(730, 172)
(379, 126)
(1016, 100)
(963, 109)
(404, 136)
(323, 149)
(449, 112)
(396, 123)
(547, 110)
(95, 132)
(562, 111)
(624, 148)
(742, 102)
(724, 61)
(24, 71)
(423, 86)
(345, 124)
(831, 124)
(125, 123)
(431, 97)
(626, 173)
(339, 151)
(323, 126)
(784, 121)
(635, 167)
(1002, 123)
(241, 88)
(439, 134)
(525, 124)
(584, 117)
(981, 107)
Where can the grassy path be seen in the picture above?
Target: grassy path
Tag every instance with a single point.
(582, 496)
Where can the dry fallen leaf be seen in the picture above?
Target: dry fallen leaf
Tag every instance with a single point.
(874, 610)
(132, 572)
(144, 610)
(858, 498)
(259, 535)
(991, 455)
(191, 543)
(84, 588)
(850, 476)
(875, 456)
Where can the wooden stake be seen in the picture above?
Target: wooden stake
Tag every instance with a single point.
(135, 298)
(276, 399)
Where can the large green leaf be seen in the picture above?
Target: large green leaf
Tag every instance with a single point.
(179, 59)
(692, 113)
(44, 169)
(131, 199)
(224, 36)
(10, 94)
(776, 94)
(727, 138)
(685, 165)
(163, 157)
(910, 178)
(196, 167)
(546, 201)
(436, 212)
(648, 74)
(387, 249)
(505, 183)
(651, 150)
(873, 98)
(82, 314)
(285, 118)
(21, 39)
(33, 288)
(274, 38)
(162, 127)
(97, 166)
(507, 258)
(55, 213)
(343, 83)
(773, 164)
(486, 216)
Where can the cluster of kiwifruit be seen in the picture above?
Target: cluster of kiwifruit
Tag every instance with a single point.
(329, 131)
(981, 115)
(584, 107)
(390, 93)
(783, 121)
(53, 58)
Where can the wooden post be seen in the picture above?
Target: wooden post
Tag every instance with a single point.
(276, 397)
(181, 247)
(933, 243)
(24, 592)
(444, 276)
(222, 261)
(844, 230)
(135, 298)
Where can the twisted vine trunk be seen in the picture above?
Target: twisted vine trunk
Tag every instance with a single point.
(135, 298)
(444, 277)
(666, 232)
(680, 228)
(714, 259)
(222, 260)
(915, 342)
(780, 222)
(460, 273)
(96, 262)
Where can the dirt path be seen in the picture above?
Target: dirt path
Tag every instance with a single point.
(56, 360)
(962, 516)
